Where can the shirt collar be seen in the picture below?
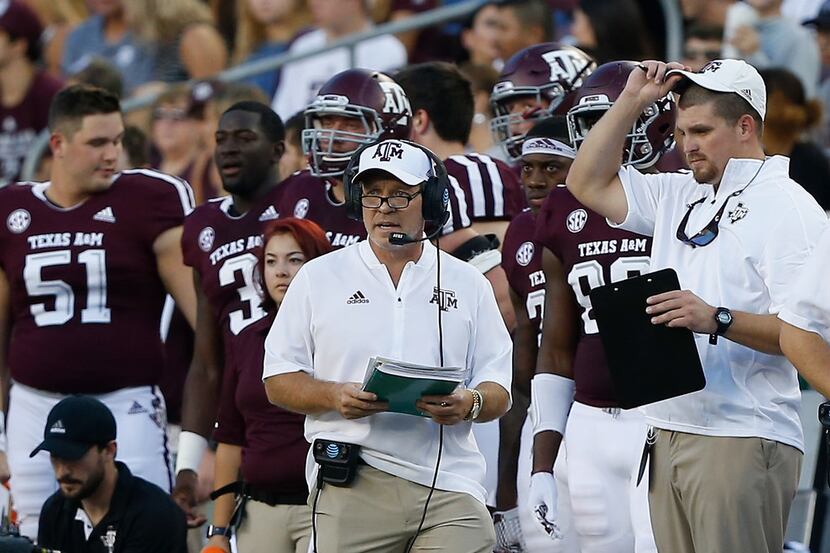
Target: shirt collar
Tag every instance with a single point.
(740, 171)
(118, 501)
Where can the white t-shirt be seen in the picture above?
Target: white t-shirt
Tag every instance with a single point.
(300, 80)
(342, 309)
(765, 236)
(808, 307)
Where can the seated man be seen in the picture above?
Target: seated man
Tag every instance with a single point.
(101, 506)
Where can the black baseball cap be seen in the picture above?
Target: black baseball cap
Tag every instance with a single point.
(74, 425)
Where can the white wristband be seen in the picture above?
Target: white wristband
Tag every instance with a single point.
(192, 448)
(2, 432)
(486, 260)
(551, 397)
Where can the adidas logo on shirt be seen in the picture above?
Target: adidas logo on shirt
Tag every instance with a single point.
(106, 215)
(357, 297)
(57, 428)
(136, 409)
(269, 214)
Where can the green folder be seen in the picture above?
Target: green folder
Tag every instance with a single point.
(403, 390)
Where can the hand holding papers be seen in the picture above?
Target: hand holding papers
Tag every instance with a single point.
(401, 384)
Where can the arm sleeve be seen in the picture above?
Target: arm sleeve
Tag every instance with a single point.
(787, 248)
(808, 306)
(289, 346)
(171, 200)
(643, 194)
(491, 353)
(188, 241)
(230, 425)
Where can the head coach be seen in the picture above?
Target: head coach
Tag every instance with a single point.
(100, 506)
(737, 230)
(394, 295)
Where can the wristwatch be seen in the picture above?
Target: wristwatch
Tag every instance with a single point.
(478, 403)
(723, 317)
(212, 530)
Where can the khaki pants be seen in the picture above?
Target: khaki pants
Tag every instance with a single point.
(277, 529)
(379, 513)
(717, 495)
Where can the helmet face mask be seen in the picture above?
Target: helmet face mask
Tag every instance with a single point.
(542, 75)
(651, 134)
(376, 104)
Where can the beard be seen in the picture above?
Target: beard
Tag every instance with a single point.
(86, 488)
(703, 171)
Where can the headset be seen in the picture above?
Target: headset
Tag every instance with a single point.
(435, 190)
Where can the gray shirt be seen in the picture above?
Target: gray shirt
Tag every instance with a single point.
(785, 43)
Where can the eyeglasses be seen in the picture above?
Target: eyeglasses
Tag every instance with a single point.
(401, 201)
(173, 114)
(710, 231)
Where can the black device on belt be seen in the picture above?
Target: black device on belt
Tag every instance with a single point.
(338, 461)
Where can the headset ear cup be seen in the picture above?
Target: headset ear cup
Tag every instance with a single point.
(351, 190)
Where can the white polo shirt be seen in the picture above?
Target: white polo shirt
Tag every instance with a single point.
(765, 236)
(808, 306)
(342, 308)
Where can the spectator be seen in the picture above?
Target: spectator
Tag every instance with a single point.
(263, 29)
(790, 117)
(776, 41)
(821, 24)
(105, 34)
(426, 44)
(703, 44)
(175, 130)
(100, 505)
(523, 23)
(101, 73)
(59, 18)
(705, 12)
(334, 20)
(185, 43)
(293, 159)
(480, 36)
(25, 91)
(612, 30)
(482, 79)
(251, 432)
(134, 155)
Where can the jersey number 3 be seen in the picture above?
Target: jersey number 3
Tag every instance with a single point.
(96, 310)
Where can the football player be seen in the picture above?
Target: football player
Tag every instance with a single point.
(572, 395)
(85, 261)
(353, 108)
(534, 84)
(221, 240)
(547, 154)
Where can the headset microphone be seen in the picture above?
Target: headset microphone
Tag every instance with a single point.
(401, 239)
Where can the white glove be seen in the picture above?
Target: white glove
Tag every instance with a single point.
(508, 531)
(542, 501)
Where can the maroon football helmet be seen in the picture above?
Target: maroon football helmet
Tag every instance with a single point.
(376, 102)
(651, 135)
(543, 74)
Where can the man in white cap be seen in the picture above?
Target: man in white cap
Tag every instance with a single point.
(418, 479)
(726, 461)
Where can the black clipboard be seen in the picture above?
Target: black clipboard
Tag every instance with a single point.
(647, 362)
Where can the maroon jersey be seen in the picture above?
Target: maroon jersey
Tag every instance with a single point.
(521, 259)
(592, 254)
(305, 196)
(86, 297)
(483, 189)
(20, 124)
(273, 447)
(223, 249)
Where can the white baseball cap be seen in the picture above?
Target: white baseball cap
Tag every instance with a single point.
(408, 163)
(735, 76)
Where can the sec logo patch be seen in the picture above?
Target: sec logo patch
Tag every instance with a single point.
(576, 220)
(206, 238)
(524, 255)
(18, 221)
(301, 209)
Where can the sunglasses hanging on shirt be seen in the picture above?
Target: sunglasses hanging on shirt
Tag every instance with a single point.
(710, 231)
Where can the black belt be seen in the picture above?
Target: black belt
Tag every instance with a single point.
(261, 495)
